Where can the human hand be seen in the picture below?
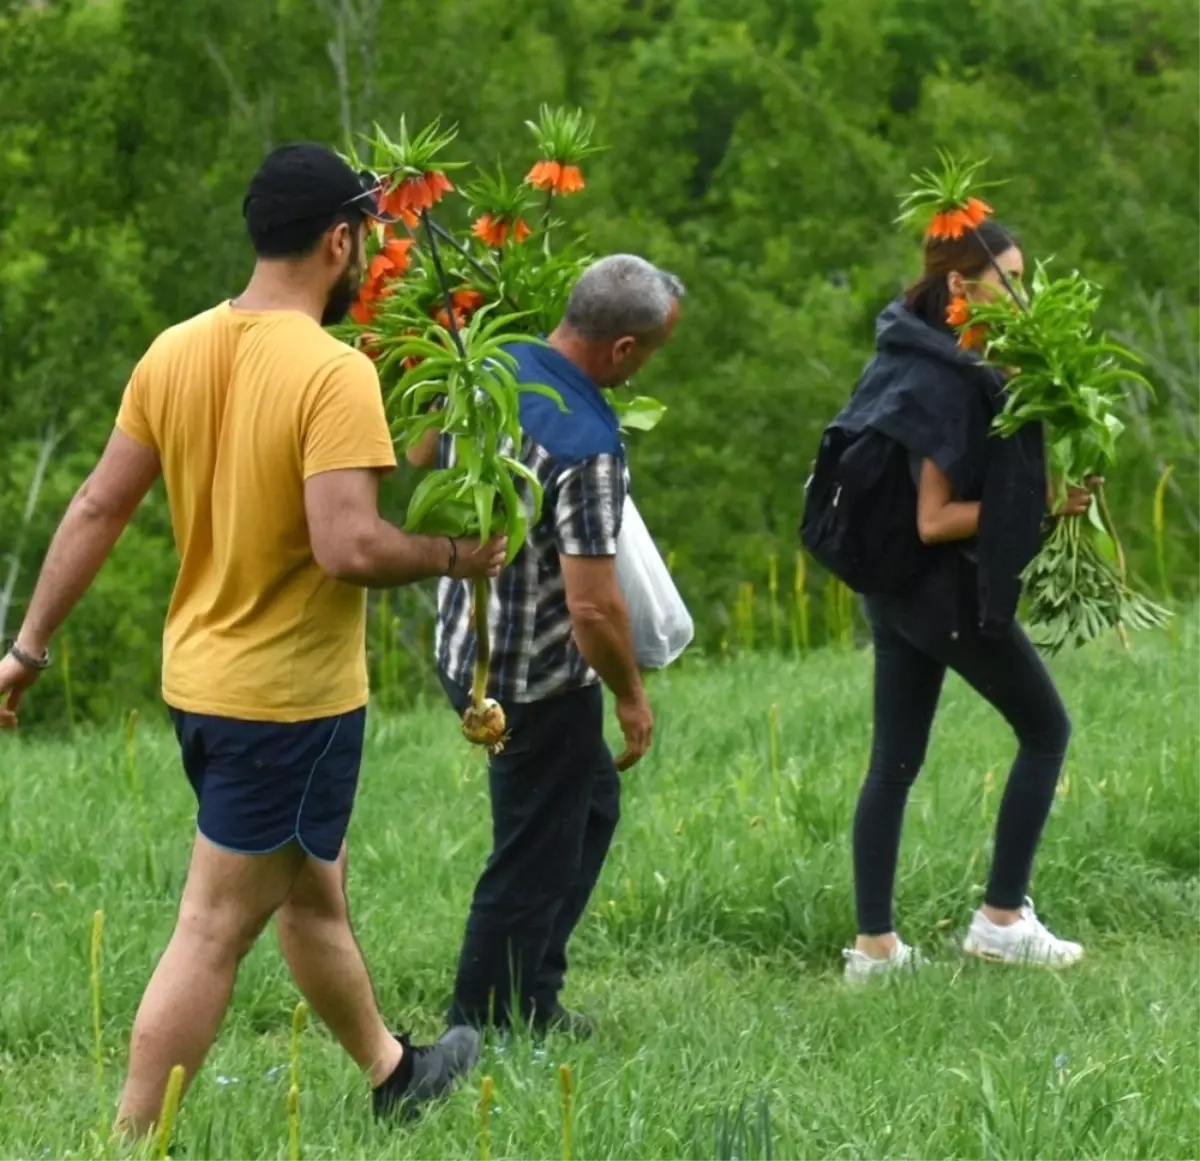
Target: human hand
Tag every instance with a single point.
(1079, 500)
(15, 679)
(637, 724)
(473, 560)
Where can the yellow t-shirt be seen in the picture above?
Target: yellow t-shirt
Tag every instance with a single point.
(242, 407)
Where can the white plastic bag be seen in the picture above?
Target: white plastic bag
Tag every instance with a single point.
(661, 625)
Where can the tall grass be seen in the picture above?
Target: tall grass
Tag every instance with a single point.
(710, 954)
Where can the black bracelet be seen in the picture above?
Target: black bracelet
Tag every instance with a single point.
(28, 659)
(453, 555)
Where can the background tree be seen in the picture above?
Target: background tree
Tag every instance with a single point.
(756, 147)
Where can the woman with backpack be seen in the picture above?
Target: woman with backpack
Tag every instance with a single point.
(979, 508)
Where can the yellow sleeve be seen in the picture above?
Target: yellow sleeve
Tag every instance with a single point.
(131, 416)
(344, 423)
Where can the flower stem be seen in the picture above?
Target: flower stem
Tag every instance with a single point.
(447, 296)
(483, 644)
(1112, 530)
(546, 221)
(449, 238)
(1012, 291)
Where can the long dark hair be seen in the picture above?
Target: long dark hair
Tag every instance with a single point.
(929, 297)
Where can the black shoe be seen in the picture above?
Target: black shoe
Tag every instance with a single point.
(426, 1072)
(562, 1020)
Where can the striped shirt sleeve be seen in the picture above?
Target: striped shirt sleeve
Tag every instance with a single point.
(589, 500)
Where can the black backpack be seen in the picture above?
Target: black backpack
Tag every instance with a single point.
(860, 512)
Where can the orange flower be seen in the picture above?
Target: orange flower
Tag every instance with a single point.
(395, 250)
(415, 194)
(958, 312)
(949, 224)
(443, 319)
(977, 212)
(553, 175)
(954, 223)
(467, 299)
(489, 230)
(493, 231)
(571, 180)
(544, 175)
(390, 263)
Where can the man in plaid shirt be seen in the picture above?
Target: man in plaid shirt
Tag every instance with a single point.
(559, 631)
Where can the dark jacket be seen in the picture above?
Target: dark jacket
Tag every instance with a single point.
(938, 401)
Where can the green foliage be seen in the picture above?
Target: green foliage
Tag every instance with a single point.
(412, 155)
(564, 135)
(1074, 592)
(475, 375)
(942, 191)
(1066, 376)
(753, 146)
(1073, 381)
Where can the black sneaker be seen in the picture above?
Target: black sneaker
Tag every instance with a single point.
(426, 1072)
(576, 1025)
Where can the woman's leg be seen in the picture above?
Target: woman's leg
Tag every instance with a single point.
(908, 683)
(1011, 675)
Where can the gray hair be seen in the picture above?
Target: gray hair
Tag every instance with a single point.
(622, 295)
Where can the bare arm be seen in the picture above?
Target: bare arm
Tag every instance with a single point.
(940, 517)
(424, 454)
(94, 521)
(352, 542)
(587, 520)
(600, 622)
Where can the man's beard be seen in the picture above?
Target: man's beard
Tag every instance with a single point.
(343, 292)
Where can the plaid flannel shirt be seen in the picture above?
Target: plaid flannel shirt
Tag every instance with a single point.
(534, 655)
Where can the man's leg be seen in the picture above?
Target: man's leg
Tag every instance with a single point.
(603, 817)
(226, 902)
(327, 965)
(541, 790)
(324, 957)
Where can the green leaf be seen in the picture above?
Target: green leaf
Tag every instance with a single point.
(516, 518)
(1106, 546)
(449, 518)
(434, 488)
(642, 413)
(547, 392)
(485, 498)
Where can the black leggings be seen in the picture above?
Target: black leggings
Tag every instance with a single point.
(911, 659)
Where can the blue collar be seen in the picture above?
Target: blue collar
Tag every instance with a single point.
(589, 427)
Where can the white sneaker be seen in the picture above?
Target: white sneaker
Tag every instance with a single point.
(861, 968)
(1025, 942)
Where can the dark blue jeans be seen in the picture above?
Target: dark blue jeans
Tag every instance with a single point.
(555, 796)
(913, 650)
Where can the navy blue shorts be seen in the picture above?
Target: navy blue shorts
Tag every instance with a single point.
(261, 785)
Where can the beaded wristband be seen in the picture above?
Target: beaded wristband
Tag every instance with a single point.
(28, 659)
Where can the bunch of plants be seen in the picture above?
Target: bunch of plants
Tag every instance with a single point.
(1064, 372)
(475, 266)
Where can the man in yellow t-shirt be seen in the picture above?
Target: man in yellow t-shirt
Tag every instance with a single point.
(270, 436)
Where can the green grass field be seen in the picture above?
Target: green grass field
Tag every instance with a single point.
(711, 954)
